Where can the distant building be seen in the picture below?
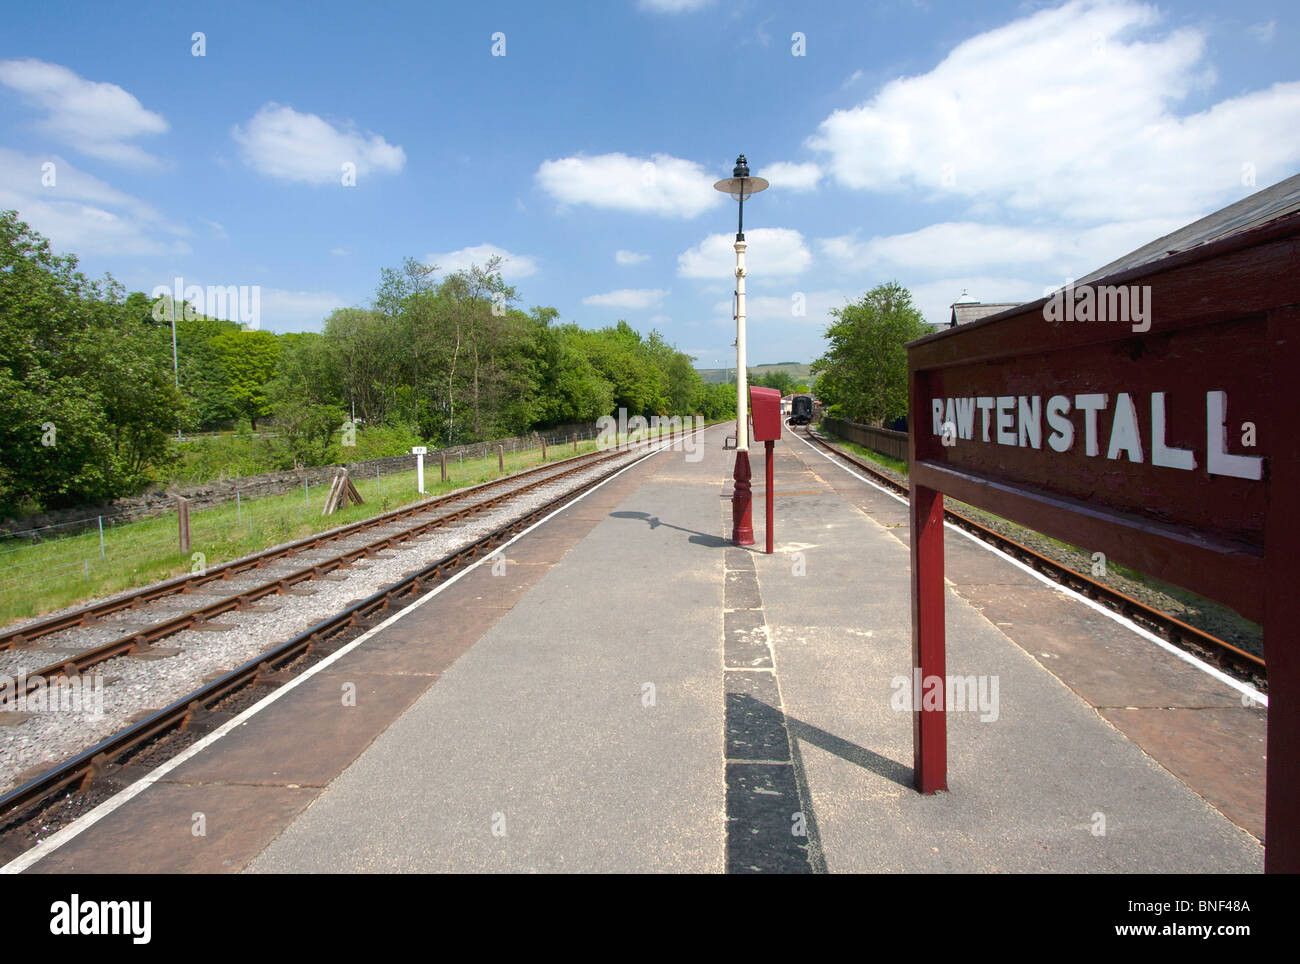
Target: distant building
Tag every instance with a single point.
(966, 309)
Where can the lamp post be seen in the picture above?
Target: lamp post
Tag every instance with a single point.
(741, 186)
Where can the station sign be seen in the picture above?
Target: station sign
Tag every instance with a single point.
(1170, 446)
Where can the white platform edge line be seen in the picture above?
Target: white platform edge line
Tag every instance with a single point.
(1245, 689)
(86, 821)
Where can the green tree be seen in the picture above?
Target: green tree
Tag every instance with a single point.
(304, 399)
(781, 381)
(864, 369)
(249, 358)
(88, 400)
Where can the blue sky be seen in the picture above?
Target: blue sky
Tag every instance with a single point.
(995, 147)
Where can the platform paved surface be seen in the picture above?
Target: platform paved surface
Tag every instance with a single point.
(768, 740)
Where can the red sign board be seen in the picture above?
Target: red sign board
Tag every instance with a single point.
(1164, 436)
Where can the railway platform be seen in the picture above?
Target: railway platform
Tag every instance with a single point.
(623, 691)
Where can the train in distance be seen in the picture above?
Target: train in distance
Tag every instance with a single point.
(801, 410)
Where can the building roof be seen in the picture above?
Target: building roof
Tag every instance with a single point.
(1259, 208)
(965, 312)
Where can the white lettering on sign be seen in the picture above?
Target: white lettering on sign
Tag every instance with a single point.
(1017, 420)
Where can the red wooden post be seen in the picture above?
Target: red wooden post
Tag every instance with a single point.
(1281, 615)
(769, 444)
(929, 725)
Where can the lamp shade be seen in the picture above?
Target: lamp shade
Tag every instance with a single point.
(741, 188)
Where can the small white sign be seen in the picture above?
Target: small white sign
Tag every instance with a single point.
(419, 450)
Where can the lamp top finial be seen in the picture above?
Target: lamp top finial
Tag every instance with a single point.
(742, 167)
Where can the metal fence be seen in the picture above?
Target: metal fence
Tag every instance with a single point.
(882, 440)
(68, 561)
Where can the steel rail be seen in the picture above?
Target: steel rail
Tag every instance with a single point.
(25, 801)
(1174, 630)
(22, 635)
(143, 638)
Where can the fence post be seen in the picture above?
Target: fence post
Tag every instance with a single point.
(543, 448)
(183, 515)
(101, 538)
(443, 461)
(501, 458)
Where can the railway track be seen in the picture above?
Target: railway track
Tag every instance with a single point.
(30, 632)
(197, 712)
(445, 510)
(1213, 650)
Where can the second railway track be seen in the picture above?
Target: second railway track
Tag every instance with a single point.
(1227, 657)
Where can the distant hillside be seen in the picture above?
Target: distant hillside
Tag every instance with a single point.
(796, 370)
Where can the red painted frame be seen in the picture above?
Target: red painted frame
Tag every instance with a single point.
(1225, 316)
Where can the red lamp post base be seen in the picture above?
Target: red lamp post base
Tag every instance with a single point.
(742, 523)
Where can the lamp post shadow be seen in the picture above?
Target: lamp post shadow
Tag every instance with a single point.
(697, 538)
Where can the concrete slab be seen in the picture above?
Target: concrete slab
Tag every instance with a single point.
(582, 732)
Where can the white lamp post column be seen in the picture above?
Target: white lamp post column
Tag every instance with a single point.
(742, 360)
(741, 186)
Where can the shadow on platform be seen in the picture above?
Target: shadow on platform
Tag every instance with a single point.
(697, 538)
(770, 824)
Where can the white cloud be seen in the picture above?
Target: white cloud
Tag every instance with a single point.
(631, 298)
(663, 185)
(297, 310)
(1069, 111)
(96, 118)
(512, 265)
(797, 307)
(282, 143)
(339, 252)
(965, 246)
(792, 177)
(770, 253)
(630, 257)
(1263, 32)
(82, 214)
(673, 6)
